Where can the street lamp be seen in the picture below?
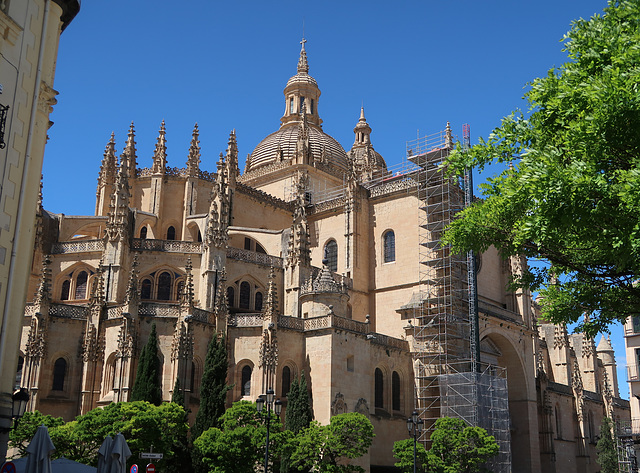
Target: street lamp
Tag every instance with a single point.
(19, 401)
(277, 408)
(414, 426)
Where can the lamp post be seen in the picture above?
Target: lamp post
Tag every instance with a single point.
(277, 408)
(414, 426)
(19, 401)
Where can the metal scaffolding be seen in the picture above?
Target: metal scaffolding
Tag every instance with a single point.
(450, 380)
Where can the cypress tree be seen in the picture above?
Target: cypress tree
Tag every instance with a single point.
(147, 384)
(177, 395)
(298, 415)
(214, 387)
(607, 454)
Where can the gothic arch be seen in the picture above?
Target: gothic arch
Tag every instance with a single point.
(149, 223)
(164, 281)
(193, 231)
(244, 390)
(68, 284)
(510, 356)
(61, 369)
(245, 288)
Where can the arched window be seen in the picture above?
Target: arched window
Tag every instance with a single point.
(143, 232)
(389, 246)
(379, 389)
(331, 255)
(145, 289)
(164, 286)
(171, 233)
(395, 391)
(192, 380)
(286, 380)
(19, 371)
(59, 372)
(245, 295)
(258, 301)
(246, 381)
(81, 285)
(558, 424)
(64, 293)
(199, 237)
(231, 297)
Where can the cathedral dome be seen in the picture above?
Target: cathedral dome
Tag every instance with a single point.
(300, 137)
(282, 145)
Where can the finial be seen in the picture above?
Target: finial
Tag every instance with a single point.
(362, 119)
(303, 65)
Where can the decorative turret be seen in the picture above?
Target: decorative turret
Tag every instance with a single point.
(193, 160)
(187, 296)
(607, 355)
(301, 92)
(365, 161)
(324, 295)
(231, 168)
(129, 154)
(118, 222)
(106, 177)
(271, 305)
(160, 153)
(132, 296)
(221, 305)
(217, 223)
(299, 252)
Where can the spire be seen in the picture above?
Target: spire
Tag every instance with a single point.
(193, 161)
(129, 153)
(107, 173)
(271, 306)
(221, 305)
(231, 169)
(299, 245)
(217, 223)
(448, 139)
(303, 65)
(44, 288)
(117, 223)
(97, 288)
(160, 153)
(187, 295)
(131, 296)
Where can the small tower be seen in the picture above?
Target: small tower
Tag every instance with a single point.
(606, 354)
(365, 161)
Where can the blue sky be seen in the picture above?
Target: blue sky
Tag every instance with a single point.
(414, 65)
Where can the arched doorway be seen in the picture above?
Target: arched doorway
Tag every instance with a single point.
(498, 349)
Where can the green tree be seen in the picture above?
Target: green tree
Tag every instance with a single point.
(237, 445)
(177, 395)
(327, 448)
(213, 388)
(298, 415)
(20, 437)
(403, 451)
(572, 197)
(606, 447)
(147, 384)
(141, 423)
(459, 448)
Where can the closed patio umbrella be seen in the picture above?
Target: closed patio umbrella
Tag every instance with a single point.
(39, 450)
(119, 454)
(104, 455)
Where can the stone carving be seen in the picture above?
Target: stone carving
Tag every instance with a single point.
(362, 407)
(338, 406)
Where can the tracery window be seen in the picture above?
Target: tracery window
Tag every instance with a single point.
(164, 286)
(81, 285)
(389, 246)
(331, 255)
(395, 391)
(231, 296)
(59, 372)
(246, 381)
(245, 295)
(258, 298)
(286, 380)
(145, 289)
(66, 287)
(378, 389)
